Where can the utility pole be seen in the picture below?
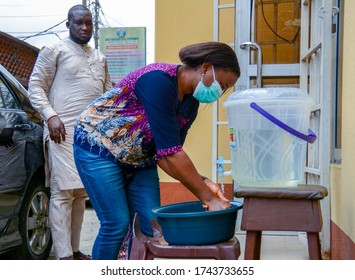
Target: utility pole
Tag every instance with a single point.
(96, 23)
(94, 7)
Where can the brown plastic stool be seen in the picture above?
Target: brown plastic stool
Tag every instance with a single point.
(148, 248)
(282, 209)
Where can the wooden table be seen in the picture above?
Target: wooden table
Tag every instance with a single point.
(281, 209)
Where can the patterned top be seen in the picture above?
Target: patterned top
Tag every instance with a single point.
(139, 121)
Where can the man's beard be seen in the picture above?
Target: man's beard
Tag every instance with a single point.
(77, 40)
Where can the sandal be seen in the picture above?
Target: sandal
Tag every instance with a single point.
(80, 256)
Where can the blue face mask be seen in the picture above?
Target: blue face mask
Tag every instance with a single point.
(208, 94)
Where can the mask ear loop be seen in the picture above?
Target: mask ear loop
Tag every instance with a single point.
(214, 77)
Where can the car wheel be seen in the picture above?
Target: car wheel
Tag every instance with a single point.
(34, 224)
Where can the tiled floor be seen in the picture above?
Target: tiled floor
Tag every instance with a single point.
(274, 246)
(288, 246)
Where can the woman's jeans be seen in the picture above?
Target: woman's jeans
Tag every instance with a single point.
(116, 196)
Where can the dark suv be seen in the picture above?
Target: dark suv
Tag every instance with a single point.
(24, 199)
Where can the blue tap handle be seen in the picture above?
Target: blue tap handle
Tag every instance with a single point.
(220, 163)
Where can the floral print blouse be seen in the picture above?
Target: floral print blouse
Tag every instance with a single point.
(140, 120)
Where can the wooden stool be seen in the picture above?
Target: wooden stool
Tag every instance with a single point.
(282, 209)
(148, 248)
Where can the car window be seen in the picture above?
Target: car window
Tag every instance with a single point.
(7, 100)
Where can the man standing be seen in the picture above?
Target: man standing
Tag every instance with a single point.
(67, 76)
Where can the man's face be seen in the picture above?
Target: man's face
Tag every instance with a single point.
(80, 26)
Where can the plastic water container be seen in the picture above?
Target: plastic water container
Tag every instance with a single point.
(268, 133)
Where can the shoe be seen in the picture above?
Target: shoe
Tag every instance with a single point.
(68, 258)
(80, 256)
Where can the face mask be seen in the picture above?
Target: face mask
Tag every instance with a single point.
(208, 94)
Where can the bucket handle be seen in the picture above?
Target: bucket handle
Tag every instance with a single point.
(310, 138)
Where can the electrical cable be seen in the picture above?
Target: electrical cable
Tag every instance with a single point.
(41, 33)
(107, 23)
(273, 31)
(102, 11)
(31, 32)
(36, 16)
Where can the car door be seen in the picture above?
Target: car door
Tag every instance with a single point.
(16, 130)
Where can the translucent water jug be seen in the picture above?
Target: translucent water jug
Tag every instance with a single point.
(268, 133)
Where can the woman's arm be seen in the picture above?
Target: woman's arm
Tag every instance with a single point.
(181, 168)
(215, 188)
(163, 164)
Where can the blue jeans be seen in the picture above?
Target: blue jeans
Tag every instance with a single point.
(116, 196)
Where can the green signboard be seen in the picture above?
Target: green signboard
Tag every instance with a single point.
(125, 49)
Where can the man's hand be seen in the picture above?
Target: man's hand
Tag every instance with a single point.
(56, 129)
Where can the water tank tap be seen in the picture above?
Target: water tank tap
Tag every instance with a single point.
(220, 171)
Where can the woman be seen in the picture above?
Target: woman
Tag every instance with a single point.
(122, 136)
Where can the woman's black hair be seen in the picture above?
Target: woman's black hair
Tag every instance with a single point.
(220, 55)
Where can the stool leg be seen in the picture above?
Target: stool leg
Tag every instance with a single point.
(228, 253)
(252, 245)
(314, 250)
(149, 256)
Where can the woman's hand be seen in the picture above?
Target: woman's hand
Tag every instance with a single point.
(180, 167)
(217, 204)
(216, 189)
(222, 202)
